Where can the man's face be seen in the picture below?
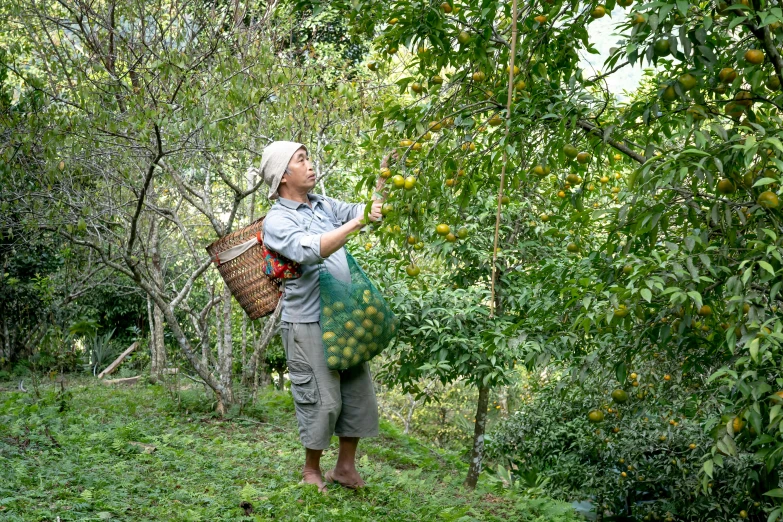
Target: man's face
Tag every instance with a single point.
(300, 175)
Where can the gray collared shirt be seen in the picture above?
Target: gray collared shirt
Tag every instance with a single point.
(294, 230)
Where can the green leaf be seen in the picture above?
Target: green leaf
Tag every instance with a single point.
(766, 266)
(646, 294)
(777, 493)
(764, 181)
(708, 466)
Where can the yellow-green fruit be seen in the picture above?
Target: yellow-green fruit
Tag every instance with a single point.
(595, 416)
(688, 81)
(583, 157)
(754, 56)
(570, 151)
(572, 247)
(520, 85)
(598, 12)
(705, 311)
(333, 361)
(573, 179)
(698, 112)
(627, 269)
(442, 229)
(619, 396)
(329, 337)
(463, 37)
(437, 80)
(768, 199)
(451, 238)
(727, 75)
(773, 83)
(398, 181)
(661, 47)
(726, 186)
(462, 233)
(621, 311)
(479, 76)
(505, 200)
(669, 94)
(412, 270)
(544, 217)
(410, 182)
(373, 66)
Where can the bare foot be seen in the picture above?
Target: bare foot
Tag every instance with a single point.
(346, 478)
(313, 476)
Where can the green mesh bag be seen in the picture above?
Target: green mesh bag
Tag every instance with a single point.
(356, 322)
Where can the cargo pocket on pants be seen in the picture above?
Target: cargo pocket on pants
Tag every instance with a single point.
(303, 387)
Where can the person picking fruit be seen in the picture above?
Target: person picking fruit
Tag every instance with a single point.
(312, 229)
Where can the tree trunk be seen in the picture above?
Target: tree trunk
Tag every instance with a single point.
(477, 453)
(256, 362)
(280, 380)
(226, 347)
(157, 346)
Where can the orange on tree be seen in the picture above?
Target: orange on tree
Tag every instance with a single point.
(572, 247)
(705, 310)
(768, 199)
(688, 81)
(412, 270)
(398, 181)
(463, 37)
(595, 416)
(436, 80)
(505, 200)
(570, 151)
(479, 76)
(667, 377)
(520, 85)
(622, 311)
(446, 7)
(604, 179)
(583, 157)
(462, 233)
(638, 19)
(620, 396)
(495, 120)
(754, 56)
(598, 12)
(627, 269)
(561, 194)
(386, 173)
(451, 238)
(435, 125)
(442, 229)
(726, 186)
(727, 75)
(737, 424)
(541, 19)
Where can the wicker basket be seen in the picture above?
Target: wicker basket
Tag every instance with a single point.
(257, 293)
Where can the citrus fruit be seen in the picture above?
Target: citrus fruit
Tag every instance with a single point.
(583, 157)
(768, 199)
(411, 270)
(505, 200)
(520, 85)
(463, 37)
(462, 233)
(727, 75)
(338, 306)
(479, 76)
(572, 247)
(398, 181)
(329, 337)
(349, 325)
(773, 83)
(570, 151)
(541, 19)
(410, 182)
(442, 229)
(333, 361)
(637, 19)
(595, 416)
(726, 186)
(445, 7)
(705, 311)
(495, 120)
(669, 94)
(754, 56)
(622, 311)
(372, 66)
(688, 81)
(619, 396)
(561, 194)
(737, 424)
(661, 47)
(598, 12)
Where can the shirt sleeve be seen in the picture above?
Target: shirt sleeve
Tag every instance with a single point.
(344, 212)
(284, 235)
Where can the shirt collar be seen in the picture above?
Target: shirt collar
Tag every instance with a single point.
(294, 205)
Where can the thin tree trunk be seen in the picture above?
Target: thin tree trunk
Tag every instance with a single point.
(280, 381)
(226, 347)
(157, 346)
(256, 363)
(477, 453)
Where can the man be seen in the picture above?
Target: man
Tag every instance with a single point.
(312, 229)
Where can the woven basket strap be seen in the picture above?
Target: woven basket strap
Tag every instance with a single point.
(236, 251)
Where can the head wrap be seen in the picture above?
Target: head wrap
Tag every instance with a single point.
(274, 162)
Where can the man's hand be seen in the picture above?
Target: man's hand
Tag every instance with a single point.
(375, 211)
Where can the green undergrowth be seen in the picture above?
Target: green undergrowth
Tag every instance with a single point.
(99, 453)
